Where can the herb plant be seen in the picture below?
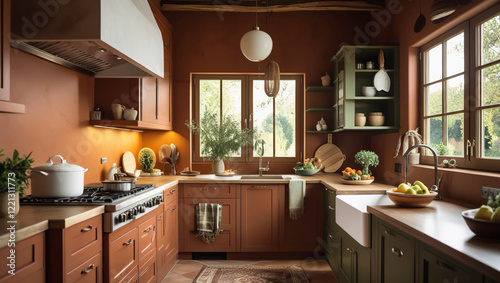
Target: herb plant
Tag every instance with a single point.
(366, 158)
(13, 172)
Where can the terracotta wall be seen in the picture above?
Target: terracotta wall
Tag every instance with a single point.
(303, 43)
(460, 185)
(58, 101)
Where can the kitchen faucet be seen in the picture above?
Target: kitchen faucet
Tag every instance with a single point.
(261, 152)
(435, 187)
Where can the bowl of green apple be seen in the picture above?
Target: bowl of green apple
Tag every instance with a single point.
(310, 167)
(407, 195)
(484, 221)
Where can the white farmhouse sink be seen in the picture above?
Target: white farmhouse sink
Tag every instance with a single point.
(352, 216)
(263, 177)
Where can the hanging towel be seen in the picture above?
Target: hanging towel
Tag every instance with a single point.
(296, 194)
(208, 217)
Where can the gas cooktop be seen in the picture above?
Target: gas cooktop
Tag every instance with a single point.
(91, 196)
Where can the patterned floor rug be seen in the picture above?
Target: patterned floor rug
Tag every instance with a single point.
(251, 274)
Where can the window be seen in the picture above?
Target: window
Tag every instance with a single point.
(461, 92)
(274, 120)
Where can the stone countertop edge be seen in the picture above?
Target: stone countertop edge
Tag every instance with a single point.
(441, 226)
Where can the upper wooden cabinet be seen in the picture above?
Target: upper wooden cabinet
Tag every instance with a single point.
(5, 105)
(152, 97)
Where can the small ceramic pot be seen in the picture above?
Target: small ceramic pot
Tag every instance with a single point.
(369, 91)
(117, 111)
(318, 127)
(360, 119)
(376, 119)
(130, 114)
(413, 158)
(218, 167)
(324, 127)
(325, 80)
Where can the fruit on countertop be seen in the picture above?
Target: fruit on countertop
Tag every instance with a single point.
(490, 211)
(352, 174)
(418, 188)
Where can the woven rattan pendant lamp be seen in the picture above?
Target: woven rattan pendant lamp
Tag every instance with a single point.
(442, 8)
(272, 79)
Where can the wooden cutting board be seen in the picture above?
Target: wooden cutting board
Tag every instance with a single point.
(128, 163)
(331, 156)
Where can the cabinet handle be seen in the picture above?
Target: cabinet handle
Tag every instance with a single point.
(87, 269)
(330, 191)
(331, 208)
(160, 216)
(349, 250)
(128, 242)
(445, 266)
(86, 229)
(258, 186)
(388, 232)
(173, 208)
(172, 191)
(397, 252)
(206, 189)
(147, 230)
(330, 236)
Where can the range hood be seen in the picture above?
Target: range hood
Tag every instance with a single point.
(105, 38)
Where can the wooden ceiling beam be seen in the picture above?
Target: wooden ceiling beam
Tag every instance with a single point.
(219, 6)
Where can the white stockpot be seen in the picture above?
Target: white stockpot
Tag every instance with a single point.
(57, 179)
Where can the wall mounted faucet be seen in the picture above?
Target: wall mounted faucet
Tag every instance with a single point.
(437, 182)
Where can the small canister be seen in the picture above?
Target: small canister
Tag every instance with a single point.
(370, 65)
(95, 114)
(360, 66)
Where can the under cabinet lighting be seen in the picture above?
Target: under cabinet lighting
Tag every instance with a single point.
(116, 128)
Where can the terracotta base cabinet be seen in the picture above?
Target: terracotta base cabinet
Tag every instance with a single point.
(167, 232)
(75, 252)
(29, 260)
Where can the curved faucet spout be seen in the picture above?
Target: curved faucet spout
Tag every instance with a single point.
(435, 187)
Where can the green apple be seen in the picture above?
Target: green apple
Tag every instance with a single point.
(417, 189)
(495, 217)
(485, 212)
(423, 187)
(403, 187)
(411, 191)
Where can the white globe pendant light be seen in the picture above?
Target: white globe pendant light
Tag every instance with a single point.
(256, 45)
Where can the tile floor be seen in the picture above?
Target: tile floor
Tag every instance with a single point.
(318, 271)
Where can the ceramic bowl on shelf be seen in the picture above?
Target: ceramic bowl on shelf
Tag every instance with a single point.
(407, 200)
(481, 227)
(369, 91)
(376, 119)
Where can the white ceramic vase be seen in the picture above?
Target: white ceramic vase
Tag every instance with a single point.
(218, 166)
(413, 158)
(6, 202)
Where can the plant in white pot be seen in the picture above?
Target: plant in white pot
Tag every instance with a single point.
(13, 181)
(411, 138)
(219, 141)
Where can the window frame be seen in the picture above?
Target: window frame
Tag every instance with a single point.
(246, 110)
(473, 125)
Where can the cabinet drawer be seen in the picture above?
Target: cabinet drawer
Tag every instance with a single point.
(123, 256)
(209, 191)
(89, 271)
(396, 254)
(147, 272)
(30, 260)
(82, 241)
(224, 242)
(170, 194)
(147, 237)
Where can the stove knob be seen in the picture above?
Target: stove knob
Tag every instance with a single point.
(134, 211)
(122, 217)
(142, 208)
(129, 214)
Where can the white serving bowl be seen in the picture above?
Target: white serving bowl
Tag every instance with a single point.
(368, 91)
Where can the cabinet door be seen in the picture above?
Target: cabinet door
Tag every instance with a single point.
(332, 250)
(147, 272)
(82, 241)
(5, 51)
(304, 233)
(259, 218)
(171, 234)
(147, 238)
(160, 241)
(354, 260)
(89, 271)
(170, 194)
(396, 255)
(123, 256)
(148, 99)
(436, 268)
(29, 260)
(224, 242)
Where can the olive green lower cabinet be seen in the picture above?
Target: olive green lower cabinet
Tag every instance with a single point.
(399, 257)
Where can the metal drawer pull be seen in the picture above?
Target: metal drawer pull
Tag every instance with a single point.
(206, 189)
(172, 191)
(387, 232)
(445, 266)
(331, 208)
(88, 269)
(147, 230)
(330, 236)
(397, 252)
(174, 208)
(86, 229)
(128, 242)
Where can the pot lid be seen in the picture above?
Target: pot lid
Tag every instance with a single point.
(50, 166)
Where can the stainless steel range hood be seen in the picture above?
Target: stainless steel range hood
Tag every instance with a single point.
(106, 38)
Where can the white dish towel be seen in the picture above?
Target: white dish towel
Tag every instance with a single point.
(296, 194)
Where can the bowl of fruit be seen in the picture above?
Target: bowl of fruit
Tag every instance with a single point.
(407, 195)
(310, 167)
(351, 176)
(485, 221)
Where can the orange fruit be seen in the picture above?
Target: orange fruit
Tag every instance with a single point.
(359, 172)
(348, 169)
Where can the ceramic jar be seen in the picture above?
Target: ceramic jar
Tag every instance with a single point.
(325, 80)
(130, 114)
(376, 119)
(318, 127)
(117, 111)
(360, 119)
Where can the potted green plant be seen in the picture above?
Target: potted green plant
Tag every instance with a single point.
(219, 141)
(366, 159)
(13, 180)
